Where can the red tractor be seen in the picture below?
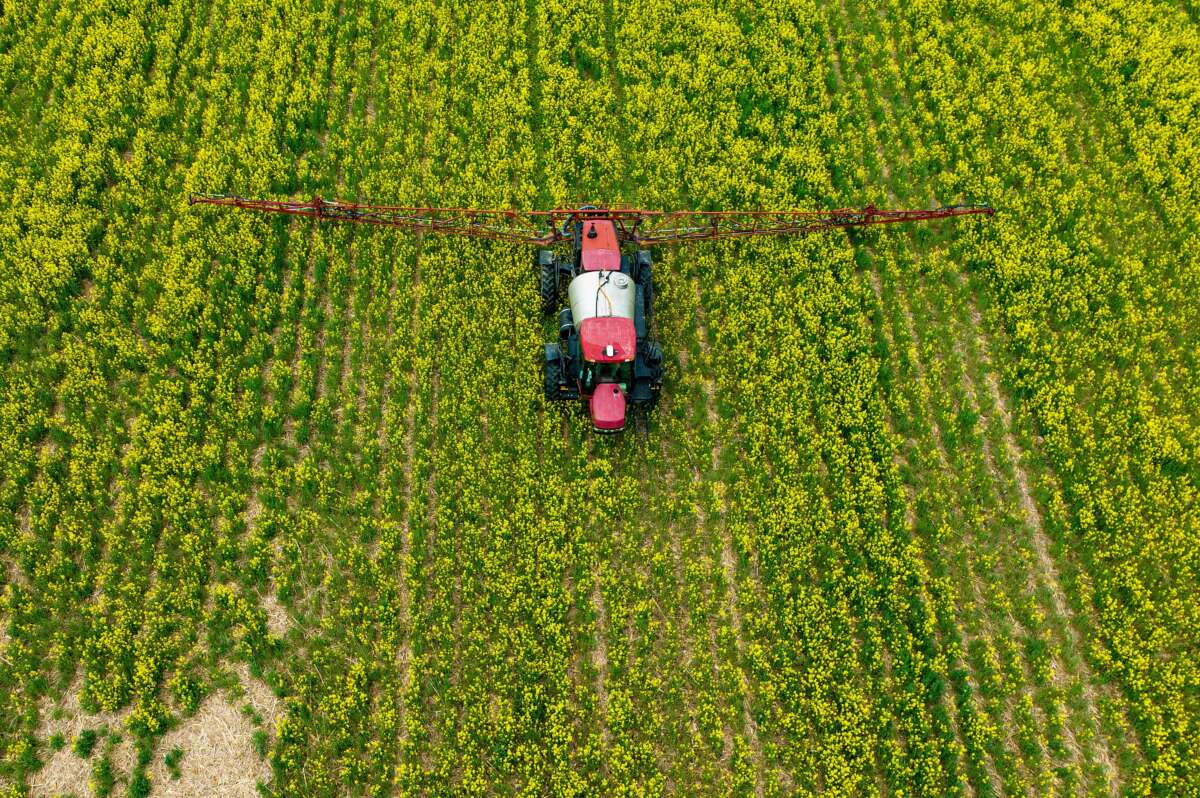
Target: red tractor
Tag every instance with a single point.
(604, 355)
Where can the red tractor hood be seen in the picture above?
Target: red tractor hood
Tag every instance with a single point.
(599, 248)
(608, 339)
(607, 406)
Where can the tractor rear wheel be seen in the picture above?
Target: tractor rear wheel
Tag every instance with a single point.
(554, 373)
(549, 282)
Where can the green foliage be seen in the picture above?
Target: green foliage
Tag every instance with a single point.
(102, 781)
(139, 784)
(259, 741)
(85, 743)
(171, 760)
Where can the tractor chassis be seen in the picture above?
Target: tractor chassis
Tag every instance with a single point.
(562, 360)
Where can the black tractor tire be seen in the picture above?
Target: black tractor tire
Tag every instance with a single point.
(641, 265)
(648, 296)
(646, 278)
(548, 288)
(553, 374)
(653, 355)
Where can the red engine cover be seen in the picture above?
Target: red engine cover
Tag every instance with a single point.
(598, 247)
(601, 335)
(607, 406)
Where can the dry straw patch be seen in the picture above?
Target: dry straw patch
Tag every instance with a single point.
(218, 754)
(217, 743)
(64, 773)
(278, 618)
(260, 698)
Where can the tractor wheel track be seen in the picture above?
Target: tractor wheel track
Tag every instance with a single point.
(1047, 568)
(972, 678)
(728, 559)
(910, 518)
(888, 182)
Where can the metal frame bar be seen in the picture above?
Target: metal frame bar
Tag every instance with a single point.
(643, 227)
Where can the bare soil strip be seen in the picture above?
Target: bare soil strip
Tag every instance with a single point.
(1047, 569)
(980, 601)
(977, 591)
(728, 559)
(972, 678)
(600, 654)
(404, 653)
(989, 461)
(910, 518)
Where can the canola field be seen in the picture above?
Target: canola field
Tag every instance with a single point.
(282, 507)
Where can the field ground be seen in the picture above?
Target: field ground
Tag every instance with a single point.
(916, 515)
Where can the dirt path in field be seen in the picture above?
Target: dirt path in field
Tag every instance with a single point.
(1045, 565)
(594, 566)
(910, 519)
(321, 371)
(372, 340)
(951, 711)
(404, 653)
(1047, 568)
(977, 589)
(957, 357)
(687, 650)
(683, 609)
(690, 637)
(600, 654)
(700, 652)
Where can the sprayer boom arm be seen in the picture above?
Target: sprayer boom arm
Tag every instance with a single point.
(543, 228)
